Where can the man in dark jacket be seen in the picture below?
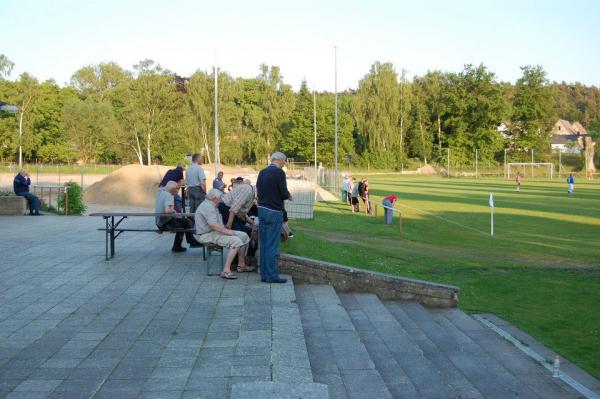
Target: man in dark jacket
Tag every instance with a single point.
(272, 190)
(21, 187)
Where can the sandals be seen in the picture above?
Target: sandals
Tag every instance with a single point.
(242, 269)
(228, 276)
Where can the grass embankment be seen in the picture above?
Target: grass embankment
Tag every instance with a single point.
(541, 270)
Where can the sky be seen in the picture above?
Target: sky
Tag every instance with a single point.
(51, 39)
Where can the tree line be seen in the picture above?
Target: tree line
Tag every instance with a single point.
(108, 114)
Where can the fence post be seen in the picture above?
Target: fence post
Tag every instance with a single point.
(81, 171)
(376, 208)
(400, 223)
(66, 200)
(58, 169)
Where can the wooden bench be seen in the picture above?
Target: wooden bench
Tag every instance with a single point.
(113, 230)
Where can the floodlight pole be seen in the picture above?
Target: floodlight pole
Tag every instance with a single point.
(315, 124)
(505, 170)
(448, 161)
(336, 120)
(217, 157)
(559, 161)
(532, 163)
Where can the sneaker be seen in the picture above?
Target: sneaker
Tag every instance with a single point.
(180, 249)
(196, 244)
(278, 280)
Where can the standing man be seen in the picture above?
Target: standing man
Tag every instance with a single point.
(218, 182)
(21, 187)
(175, 175)
(346, 188)
(571, 183)
(272, 191)
(196, 181)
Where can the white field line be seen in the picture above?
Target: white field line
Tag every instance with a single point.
(538, 358)
(439, 217)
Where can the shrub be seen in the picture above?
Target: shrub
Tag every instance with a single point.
(76, 205)
(6, 194)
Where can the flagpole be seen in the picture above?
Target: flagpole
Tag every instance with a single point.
(492, 214)
(315, 123)
(217, 155)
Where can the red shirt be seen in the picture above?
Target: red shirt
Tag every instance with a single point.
(391, 198)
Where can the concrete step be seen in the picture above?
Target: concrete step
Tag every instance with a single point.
(337, 355)
(410, 364)
(278, 390)
(493, 366)
(526, 371)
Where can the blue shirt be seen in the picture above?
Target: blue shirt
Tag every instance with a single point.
(271, 188)
(21, 184)
(172, 175)
(570, 180)
(218, 184)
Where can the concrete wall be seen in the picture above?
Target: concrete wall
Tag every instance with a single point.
(385, 286)
(13, 205)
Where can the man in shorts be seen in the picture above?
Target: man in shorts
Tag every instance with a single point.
(210, 228)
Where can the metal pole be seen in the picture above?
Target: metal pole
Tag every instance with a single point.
(532, 163)
(217, 157)
(505, 170)
(81, 171)
(448, 162)
(476, 162)
(336, 121)
(315, 124)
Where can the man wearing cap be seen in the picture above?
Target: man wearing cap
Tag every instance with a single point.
(196, 182)
(272, 190)
(209, 225)
(165, 203)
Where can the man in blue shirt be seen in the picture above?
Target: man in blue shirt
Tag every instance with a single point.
(272, 190)
(218, 182)
(21, 186)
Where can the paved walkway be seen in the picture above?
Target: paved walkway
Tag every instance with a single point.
(147, 324)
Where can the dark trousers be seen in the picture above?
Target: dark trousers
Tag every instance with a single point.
(195, 197)
(269, 235)
(32, 200)
(238, 225)
(180, 223)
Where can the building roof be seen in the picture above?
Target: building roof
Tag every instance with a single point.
(563, 127)
(578, 127)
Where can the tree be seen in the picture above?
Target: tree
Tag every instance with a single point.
(377, 108)
(533, 110)
(475, 108)
(27, 90)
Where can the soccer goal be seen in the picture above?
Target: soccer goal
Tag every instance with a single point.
(531, 169)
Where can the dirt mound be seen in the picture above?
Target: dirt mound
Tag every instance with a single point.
(427, 170)
(131, 185)
(135, 185)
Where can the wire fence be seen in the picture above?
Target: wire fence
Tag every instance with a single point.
(41, 174)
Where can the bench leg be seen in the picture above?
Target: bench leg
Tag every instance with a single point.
(112, 238)
(106, 233)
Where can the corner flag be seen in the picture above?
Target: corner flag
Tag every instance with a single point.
(492, 214)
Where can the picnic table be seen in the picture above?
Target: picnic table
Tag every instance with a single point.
(113, 228)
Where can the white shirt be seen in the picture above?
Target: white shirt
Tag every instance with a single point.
(347, 185)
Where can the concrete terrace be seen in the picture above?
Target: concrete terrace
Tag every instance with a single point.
(151, 324)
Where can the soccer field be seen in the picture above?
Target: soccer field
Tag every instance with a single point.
(541, 270)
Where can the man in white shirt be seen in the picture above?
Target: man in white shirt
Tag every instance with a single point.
(210, 228)
(196, 183)
(347, 189)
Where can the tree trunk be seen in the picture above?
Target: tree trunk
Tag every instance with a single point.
(439, 121)
(422, 141)
(21, 138)
(206, 147)
(138, 149)
(148, 156)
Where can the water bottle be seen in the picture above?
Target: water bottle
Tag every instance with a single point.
(556, 367)
(187, 209)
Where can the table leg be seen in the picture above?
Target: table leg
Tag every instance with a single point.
(112, 237)
(106, 233)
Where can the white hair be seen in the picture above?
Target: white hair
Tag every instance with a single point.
(213, 193)
(171, 185)
(278, 156)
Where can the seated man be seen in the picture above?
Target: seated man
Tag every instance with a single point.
(234, 210)
(209, 225)
(21, 187)
(218, 182)
(165, 203)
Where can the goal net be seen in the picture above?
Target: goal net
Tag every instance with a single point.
(531, 169)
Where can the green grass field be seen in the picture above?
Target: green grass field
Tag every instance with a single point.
(541, 270)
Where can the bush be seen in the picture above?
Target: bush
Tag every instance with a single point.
(6, 194)
(76, 205)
